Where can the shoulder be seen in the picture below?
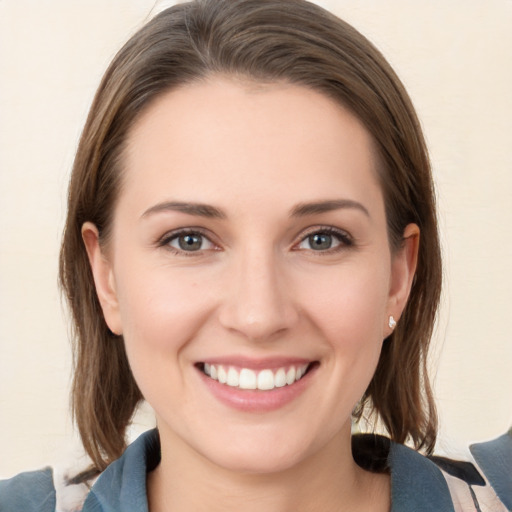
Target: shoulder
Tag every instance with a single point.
(47, 490)
(417, 483)
(28, 492)
(424, 484)
(494, 458)
(454, 485)
(122, 486)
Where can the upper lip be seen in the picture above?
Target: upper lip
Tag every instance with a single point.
(238, 361)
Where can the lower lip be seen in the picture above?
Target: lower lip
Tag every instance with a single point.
(257, 400)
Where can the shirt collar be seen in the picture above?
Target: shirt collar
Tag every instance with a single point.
(416, 482)
(495, 460)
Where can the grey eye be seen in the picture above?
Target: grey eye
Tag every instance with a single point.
(320, 241)
(324, 241)
(190, 242)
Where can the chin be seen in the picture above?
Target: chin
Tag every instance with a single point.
(257, 462)
(253, 455)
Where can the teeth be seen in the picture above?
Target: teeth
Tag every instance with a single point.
(246, 378)
(233, 378)
(222, 375)
(280, 378)
(266, 380)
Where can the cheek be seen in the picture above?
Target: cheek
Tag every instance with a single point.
(160, 309)
(161, 312)
(350, 304)
(349, 311)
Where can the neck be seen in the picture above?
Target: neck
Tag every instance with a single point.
(329, 480)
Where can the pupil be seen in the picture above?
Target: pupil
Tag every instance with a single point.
(320, 241)
(190, 242)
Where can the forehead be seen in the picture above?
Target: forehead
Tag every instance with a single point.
(223, 137)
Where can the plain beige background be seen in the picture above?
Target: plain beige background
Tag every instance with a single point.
(455, 58)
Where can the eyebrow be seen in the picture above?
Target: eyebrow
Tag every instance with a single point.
(314, 208)
(197, 209)
(212, 212)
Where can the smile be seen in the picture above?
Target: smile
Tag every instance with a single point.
(263, 380)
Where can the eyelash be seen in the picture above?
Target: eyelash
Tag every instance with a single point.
(344, 239)
(166, 240)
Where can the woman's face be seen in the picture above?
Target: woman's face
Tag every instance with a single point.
(249, 270)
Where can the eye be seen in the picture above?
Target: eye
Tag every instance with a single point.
(325, 240)
(189, 241)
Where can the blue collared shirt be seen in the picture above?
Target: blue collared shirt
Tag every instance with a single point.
(417, 483)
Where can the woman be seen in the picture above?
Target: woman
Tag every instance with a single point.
(251, 246)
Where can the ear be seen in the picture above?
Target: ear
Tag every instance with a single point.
(103, 277)
(403, 268)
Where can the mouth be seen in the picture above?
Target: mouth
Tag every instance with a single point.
(263, 379)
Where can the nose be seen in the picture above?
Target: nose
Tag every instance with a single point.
(257, 302)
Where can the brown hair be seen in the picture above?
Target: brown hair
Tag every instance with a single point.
(264, 40)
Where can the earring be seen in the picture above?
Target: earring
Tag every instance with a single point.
(391, 322)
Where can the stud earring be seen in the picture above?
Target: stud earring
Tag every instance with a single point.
(391, 322)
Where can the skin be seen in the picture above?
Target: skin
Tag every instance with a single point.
(256, 287)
